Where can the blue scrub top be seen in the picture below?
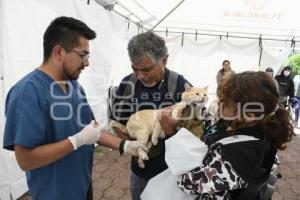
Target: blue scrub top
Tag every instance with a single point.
(38, 112)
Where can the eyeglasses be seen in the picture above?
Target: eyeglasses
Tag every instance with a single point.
(83, 56)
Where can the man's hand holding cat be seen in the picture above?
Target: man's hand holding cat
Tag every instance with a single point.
(167, 121)
(131, 147)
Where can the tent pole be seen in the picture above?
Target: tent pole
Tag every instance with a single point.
(167, 14)
(229, 36)
(127, 9)
(261, 49)
(2, 80)
(127, 18)
(293, 44)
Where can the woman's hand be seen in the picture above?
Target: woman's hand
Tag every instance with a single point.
(168, 121)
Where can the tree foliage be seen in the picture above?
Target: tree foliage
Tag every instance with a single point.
(294, 63)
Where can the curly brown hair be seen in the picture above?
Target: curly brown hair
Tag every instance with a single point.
(257, 92)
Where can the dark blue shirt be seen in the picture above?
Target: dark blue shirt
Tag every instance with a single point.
(142, 97)
(38, 112)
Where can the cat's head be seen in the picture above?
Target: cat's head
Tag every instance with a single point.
(195, 94)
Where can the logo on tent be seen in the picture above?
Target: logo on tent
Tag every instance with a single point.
(257, 4)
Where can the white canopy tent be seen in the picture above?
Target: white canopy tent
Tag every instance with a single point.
(273, 19)
(252, 34)
(227, 29)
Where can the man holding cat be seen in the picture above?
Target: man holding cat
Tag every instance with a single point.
(150, 86)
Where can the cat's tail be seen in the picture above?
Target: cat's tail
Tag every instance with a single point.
(114, 124)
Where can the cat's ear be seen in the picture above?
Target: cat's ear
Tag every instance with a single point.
(187, 87)
(205, 88)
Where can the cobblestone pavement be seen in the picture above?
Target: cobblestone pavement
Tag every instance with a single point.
(111, 174)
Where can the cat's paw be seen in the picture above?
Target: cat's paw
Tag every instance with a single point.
(154, 141)
(142, 154)
(141, 163)
(149, 145)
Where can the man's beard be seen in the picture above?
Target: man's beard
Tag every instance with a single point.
(148, 83)
(71, 76)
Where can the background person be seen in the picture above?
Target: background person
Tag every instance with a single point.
(223, 73)
(296, 81)
(270, 71)
(285, 86)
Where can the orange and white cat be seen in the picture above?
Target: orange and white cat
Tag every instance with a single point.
(144, 125)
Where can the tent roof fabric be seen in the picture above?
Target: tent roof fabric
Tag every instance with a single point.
(268, 19)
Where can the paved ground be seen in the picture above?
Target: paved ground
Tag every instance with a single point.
(111, 174)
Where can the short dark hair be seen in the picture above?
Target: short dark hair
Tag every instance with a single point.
(224, 61)
(288, 68)
(65, 31)
(269, 69)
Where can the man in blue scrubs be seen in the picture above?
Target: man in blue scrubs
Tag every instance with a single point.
(49, 123)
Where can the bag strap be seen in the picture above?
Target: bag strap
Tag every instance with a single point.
(172, 82)
(131, 83)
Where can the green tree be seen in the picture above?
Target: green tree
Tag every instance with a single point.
(294, 62)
